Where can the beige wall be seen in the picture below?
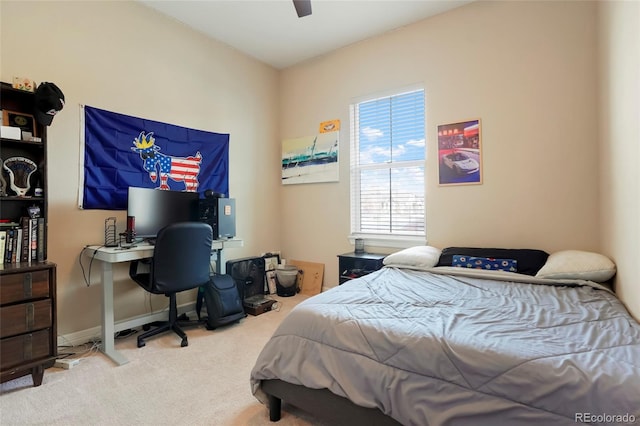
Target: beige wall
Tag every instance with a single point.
(526, 69)
(619, 42)
(123, 57)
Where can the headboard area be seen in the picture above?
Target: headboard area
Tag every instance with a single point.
(560, 265)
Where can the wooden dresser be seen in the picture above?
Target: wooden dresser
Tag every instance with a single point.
(28, 320)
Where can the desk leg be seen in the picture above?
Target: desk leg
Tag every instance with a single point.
(108, 321)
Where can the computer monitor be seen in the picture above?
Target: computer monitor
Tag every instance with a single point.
(153, 209)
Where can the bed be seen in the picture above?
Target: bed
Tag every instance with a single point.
(426, 341)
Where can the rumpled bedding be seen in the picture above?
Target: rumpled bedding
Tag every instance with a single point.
(440, 347)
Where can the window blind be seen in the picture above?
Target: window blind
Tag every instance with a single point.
(387, 165)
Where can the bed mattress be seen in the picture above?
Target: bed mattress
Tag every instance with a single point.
(440, 347)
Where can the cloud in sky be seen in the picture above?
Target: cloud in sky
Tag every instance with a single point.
(371, 133)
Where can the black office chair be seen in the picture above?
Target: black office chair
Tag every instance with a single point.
(181, 261)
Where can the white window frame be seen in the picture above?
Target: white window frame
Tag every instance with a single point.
(379, 239)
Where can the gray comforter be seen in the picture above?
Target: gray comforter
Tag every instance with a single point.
(429, 348)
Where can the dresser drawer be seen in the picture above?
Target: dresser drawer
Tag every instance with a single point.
(24, 286)
(21, 349)
(25, 317)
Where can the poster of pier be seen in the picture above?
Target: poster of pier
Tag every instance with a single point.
(310, 159)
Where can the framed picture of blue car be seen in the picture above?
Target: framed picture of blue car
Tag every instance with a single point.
(460, 153)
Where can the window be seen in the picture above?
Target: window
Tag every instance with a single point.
(387, 167)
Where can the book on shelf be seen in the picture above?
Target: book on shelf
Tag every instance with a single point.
(8, 225)
(17, 246)
(40, 248)
(33, 239)
(3, 239)
(7, 248)
(24, 252)
(23, 241)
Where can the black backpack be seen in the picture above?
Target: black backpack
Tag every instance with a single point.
(222, 300)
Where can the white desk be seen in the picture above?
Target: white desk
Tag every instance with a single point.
(110, 255)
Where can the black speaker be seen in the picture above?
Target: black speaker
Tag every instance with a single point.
(248, 274)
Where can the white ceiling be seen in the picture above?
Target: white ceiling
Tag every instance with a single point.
(270, 30)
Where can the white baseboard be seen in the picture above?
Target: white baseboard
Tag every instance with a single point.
(95, 333)
(79, 337)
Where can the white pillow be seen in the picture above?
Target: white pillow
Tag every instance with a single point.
(420, 256)
(579, 265)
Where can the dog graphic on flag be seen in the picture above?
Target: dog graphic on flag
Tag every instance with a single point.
(178, 169)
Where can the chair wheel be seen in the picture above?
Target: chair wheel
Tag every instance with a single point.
(146, 327)
(184, 342)
(141, 344)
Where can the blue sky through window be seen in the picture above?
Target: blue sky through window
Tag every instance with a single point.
(392, 129)
(390, 164)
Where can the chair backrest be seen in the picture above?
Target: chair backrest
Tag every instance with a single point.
(181, 257)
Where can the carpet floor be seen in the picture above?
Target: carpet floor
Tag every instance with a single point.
(205, 383)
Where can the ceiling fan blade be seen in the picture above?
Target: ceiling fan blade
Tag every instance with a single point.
(303, 7)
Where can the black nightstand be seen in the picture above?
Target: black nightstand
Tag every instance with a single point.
(354, 265)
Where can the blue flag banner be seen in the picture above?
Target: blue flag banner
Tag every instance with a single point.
(122, 151)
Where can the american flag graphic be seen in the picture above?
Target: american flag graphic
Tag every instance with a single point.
(185, 168)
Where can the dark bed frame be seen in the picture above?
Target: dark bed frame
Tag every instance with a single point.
(321, 403)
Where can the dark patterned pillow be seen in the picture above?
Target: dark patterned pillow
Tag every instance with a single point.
(529, 261)
(486, 263)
